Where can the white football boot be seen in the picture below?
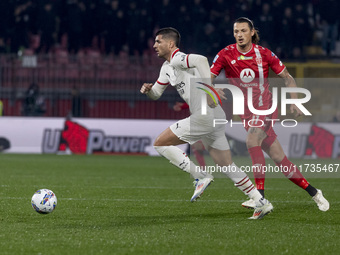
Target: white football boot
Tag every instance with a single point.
(262, 209)
(200, 186)
(321, 201)
(250, 204)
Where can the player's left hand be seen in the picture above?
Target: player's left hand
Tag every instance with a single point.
(211, 102)
(294, 108)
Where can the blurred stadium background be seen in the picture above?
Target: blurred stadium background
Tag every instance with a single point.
(89, 58)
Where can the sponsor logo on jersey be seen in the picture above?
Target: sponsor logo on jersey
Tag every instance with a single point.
(247, 75)
(179, 87)
(233, 61)
(242, 57)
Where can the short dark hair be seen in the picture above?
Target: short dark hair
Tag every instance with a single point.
(170, 33)
(255, 38)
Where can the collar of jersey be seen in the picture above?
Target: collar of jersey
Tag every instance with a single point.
(245, 53)
(173, 54)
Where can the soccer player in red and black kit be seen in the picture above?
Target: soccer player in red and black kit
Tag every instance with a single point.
(246, 65)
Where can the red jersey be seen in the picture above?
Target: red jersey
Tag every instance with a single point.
(249, 70)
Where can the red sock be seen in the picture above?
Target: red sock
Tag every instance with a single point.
(292, 173)
(257, 158)
(199, 156)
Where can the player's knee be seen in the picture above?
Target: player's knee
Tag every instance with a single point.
(158, 142)
(252, 141)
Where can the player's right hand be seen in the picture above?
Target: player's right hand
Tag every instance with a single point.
(221, 93)
(146, 88)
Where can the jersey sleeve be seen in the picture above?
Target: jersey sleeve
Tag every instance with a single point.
(181, 60)
(185, 61)
(275, 63)
(160, 85)
(218, 64)
(163, 78)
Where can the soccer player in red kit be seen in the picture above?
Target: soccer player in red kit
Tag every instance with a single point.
(246, 65)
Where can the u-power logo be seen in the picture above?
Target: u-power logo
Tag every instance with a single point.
(238, 104)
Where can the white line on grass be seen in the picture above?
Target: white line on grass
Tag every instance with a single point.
(227, 186)
(158, 200)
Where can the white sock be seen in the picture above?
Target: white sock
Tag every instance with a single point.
(242, 182)
(180, 159)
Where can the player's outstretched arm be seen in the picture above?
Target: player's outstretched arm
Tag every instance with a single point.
(290, 82)
(153, 91)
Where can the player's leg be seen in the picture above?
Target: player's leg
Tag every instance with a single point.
(254, 140)
(218, 147)
(241, 181)
(165, 145)
(179, 133)
(198, 150)
(291, 171)
(258, 129)
(222, 158)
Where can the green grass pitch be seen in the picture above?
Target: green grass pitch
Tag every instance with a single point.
(141, 205)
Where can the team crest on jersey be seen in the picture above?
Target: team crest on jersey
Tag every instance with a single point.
(247, 75)
(242, 57)
(259, 61)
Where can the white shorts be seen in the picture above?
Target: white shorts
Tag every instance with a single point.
(195, 128)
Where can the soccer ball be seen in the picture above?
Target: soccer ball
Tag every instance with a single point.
(44, 201)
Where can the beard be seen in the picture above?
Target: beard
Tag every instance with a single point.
(244, 45)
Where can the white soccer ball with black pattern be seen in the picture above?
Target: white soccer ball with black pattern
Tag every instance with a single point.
(44, 201)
